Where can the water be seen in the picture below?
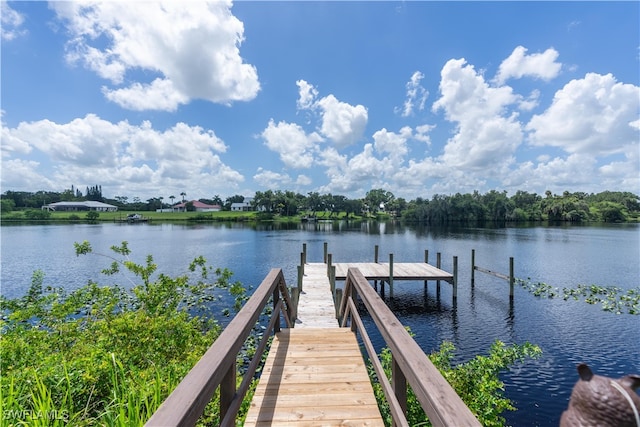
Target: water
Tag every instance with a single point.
(568, 332)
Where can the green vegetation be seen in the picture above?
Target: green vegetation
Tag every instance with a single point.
(105, 355)
(477, 382)
(493, 206)
(612, 298)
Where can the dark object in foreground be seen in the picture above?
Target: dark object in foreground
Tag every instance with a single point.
(603, 401)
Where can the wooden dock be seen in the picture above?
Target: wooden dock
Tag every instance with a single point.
(312, 377)
(314, 374)
(401, 271)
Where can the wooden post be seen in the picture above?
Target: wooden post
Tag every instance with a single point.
(438, 263)
(391, 275)
(338, 304)
(304, 251)
(227, 390)
(511, 278)
(302, 262)
(295, 297)
(426, 261)
(399, 384)
(329, 264)
(455, 277)
(276, 300)
(473, 267)
(325, 253)
(299, 279)
(375, 259)
(332, 279)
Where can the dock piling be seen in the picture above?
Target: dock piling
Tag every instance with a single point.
(455, 277)
(391, 275)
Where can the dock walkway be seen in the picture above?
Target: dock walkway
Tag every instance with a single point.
(314, 373)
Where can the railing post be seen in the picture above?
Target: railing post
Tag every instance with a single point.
(399, 385)
(276, 300)
(295, 297)
(302, 263)
(473, 267)
(455, 277)
(332, 279)
(299, 279)
(324, 259)
(375, 259)
(329, 258)
(426, 261)
(227, 390)
(338, 303)
(391, 275)
(511, 278)
(438, 263)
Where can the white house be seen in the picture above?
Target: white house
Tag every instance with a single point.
(245, 205)
(80, 206)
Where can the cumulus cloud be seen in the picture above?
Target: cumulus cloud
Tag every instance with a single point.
(125, 157)
(270, 179)
(487, 134)
(12, 21)
(416, 96)
(593, 114)
(341, 122)
(190, 49)
(538, 65)
(292, 143)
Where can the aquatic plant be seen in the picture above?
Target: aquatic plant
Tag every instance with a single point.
(611, 298)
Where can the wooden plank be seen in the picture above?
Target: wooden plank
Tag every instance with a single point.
(314, 376)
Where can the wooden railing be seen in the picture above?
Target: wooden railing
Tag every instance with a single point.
(409, 365)
(217, 368)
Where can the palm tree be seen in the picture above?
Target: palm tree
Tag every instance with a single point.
(160, 198)
(172, 197)
(183, 194)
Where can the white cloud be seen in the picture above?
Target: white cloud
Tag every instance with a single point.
(193, 46)
(307, 95)
(271, 180)
(538, 65)
(590, 115)
(292, 143)
(124, 157)
(11, 22)
(487, 134)
(416, 96)
(343, 123)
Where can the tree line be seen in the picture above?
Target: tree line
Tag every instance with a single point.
(495, 206)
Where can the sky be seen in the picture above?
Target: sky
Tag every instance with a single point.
(418, 98)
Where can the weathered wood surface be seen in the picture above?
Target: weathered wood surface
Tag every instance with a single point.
(315, 306)
(312, 377)
(401, 271)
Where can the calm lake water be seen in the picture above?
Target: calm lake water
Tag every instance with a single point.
(569, 332)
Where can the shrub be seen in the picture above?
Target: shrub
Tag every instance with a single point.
(477, 381)
(106, 355)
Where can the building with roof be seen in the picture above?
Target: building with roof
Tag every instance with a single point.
(88, 205)
(198, 207)
(243, 206)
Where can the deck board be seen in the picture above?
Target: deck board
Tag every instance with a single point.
(401, 271)
(314, 376)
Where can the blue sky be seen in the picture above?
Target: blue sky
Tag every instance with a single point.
(419, 98)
